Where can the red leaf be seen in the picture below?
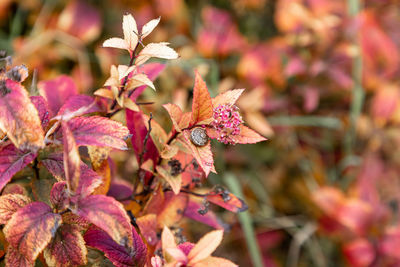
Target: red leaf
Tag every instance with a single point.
(43, 110)
(12, 160)
(202, 108)
(137, 128)
(11, 203)
(209, 218)
(59, 196)
(67, 248)
(390, 244)
(76, 102)
(248, 136)
(71, 159)
(98, 131)
(31, 229)
(203, 155)
(16, 259)
(19, 118)
(227, 200)
(117, 254)
(57, 91)
(107, 214)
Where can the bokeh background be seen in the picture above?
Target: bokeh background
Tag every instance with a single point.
(322, 84)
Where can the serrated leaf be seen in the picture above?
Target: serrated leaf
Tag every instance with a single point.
(149, 27)
(12, 161)
(203, 155)
(107, 214)
(173, 181)
(206, 245)
(71, 158)
(31, 229)
(159, 50)
(11, 203)
(248, 136)
(202, 108)
(229, 97)
(19, 118)
(117, 254)
(57, 91)
(16, 259)
(67, 248)
(98, 131)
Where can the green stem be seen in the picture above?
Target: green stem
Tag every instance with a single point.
(246, 222)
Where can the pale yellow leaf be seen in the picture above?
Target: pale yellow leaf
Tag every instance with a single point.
(104, 93)
(142, 79)
(229, 97)
(116, 43)
(130, 31)
(128, 103)
(149, 27)
(159, 50)
(206, 245)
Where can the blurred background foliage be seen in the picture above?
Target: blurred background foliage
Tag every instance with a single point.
(322, 84)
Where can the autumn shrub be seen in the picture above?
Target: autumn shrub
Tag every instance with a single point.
(58, 199)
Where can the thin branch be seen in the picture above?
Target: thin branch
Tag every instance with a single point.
(146, 138)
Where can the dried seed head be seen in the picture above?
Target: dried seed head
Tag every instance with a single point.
(199, 136)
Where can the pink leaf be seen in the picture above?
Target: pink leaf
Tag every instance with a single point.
(109, 215)
(71, 159)
(98, 131)
(67, 248)
(117, 254)
(12, 160)
(79, 101)
(14, 258)
(31, 228)
(11, 203)
(19, 117)
(57, 91)
(59, 196)
(43, 110)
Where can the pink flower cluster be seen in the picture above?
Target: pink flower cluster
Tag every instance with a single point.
(227, 121)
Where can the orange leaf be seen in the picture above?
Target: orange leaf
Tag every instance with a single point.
(202, 108)
(248, 136)
(203, 155)
(172, 210)
(173, 181)
(175, 114)
(148, 227)
(206, 245)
